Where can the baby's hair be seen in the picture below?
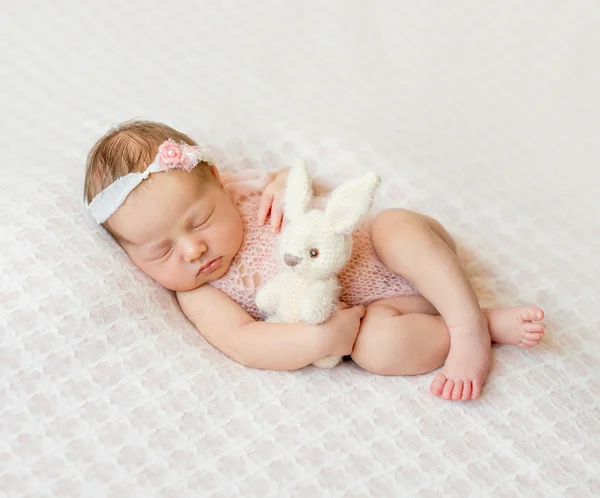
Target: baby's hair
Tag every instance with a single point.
(129, 148)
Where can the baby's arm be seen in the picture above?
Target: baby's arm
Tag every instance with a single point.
(271, 346)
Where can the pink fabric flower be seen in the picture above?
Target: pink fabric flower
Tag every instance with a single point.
(171, 156)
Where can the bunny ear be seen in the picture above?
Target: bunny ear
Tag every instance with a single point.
(298, 192)
(350, 202)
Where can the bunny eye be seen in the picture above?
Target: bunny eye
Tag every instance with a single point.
(314, 253)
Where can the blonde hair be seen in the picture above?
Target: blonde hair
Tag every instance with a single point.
(129, 148)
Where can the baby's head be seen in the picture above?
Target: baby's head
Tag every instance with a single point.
(179, 226)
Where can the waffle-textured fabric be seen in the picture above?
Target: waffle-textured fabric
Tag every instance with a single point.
(484, 115)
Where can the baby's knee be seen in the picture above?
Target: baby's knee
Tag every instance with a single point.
(396, 221)
(404, 224)
(395, 217)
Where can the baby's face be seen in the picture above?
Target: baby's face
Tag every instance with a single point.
(179, 231)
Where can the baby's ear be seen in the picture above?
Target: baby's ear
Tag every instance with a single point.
(298, 192)
(215, 173)
(350, 202)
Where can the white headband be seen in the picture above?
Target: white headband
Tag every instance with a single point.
(170, 156)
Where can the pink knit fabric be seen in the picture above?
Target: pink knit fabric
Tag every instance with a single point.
(364, 280)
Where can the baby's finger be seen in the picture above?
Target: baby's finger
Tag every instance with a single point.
(276, 216)
(266, 201)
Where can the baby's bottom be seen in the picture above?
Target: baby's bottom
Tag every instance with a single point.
(401, 336)
(406, 335)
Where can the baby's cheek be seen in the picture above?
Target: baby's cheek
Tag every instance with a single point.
(169, 276)
(236, 235)
(183, 278)
(162, 277)
(146, 268)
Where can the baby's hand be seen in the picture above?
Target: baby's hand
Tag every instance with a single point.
(342, 329)
(272, 201)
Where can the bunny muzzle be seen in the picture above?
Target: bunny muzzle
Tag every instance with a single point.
(291, 260)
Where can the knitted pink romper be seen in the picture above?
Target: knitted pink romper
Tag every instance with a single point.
(365, 279)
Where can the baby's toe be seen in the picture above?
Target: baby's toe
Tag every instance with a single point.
(528, 343)
(530, 314)
(448, 388)
(437, 384)
(533, 336)
(531, 339)
(534, 327)
(467, 387)
(476, 390)
(457, 391)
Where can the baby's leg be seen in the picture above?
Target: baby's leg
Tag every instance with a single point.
(406, 336)
(418, 248)
(515, 326)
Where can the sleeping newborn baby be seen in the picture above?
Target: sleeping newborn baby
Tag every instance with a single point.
(408, 307)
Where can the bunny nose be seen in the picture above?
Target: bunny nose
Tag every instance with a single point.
(290, 260)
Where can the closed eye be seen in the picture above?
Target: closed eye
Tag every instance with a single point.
(200, 225)
(164, 254)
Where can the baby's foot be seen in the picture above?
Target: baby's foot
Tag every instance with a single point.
(516, 326)
(467, 364)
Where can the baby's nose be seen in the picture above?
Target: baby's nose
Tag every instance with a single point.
(290, 259)
(193, 251)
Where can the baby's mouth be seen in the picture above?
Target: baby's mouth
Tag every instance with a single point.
(210, 266)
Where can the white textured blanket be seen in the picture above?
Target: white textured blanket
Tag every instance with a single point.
(485, 115)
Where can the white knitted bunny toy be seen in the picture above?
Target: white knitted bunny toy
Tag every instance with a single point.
(314, 247)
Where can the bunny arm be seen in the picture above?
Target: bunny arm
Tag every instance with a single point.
(269, 294)
(319, 302)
